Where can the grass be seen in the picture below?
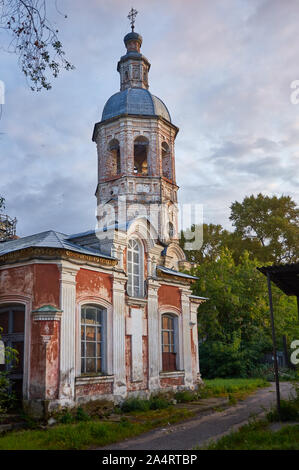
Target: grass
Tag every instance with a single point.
(92, 433)
(289, 409)
(257, 436)
(90, 426)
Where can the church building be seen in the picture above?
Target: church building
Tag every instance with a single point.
(108, 314)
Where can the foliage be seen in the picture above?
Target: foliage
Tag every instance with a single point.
(234, 324)
(185, 396)
(138, 404)
(92, 433)
(257, 436)
(289, 409)
(34, 39)
(216, 387)
(7, 396)
(273, 222)
(266, 227)
(288, 412)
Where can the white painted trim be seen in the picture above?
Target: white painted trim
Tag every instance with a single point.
(95, 300)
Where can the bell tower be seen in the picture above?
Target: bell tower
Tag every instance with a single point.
(136, 150)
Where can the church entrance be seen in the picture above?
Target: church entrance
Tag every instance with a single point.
(12, 324)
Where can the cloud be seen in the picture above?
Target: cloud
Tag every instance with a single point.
(224, 71)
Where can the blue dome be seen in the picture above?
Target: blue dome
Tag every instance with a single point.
(135, 101)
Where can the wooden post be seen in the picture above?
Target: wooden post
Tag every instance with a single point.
(274, 346)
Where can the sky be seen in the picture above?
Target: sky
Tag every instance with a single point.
(224, 68)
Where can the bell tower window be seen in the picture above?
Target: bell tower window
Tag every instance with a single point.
(140, 155)
(166, 161)
(114, 164)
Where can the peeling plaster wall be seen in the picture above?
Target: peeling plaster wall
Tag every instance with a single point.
(94, 284)
(46, 285)
(17, 281)
(143, 385)
(171, 381)
(169, 295)
(93, 390)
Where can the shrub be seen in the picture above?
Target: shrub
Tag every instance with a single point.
(135, 404)
(185, 396)
(81, 415)
(288, 412)
(158, 403)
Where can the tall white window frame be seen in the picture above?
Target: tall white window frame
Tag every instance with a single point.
(93, 326)
(135, 268)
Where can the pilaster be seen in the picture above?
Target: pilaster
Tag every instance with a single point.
(185, 302)
(154, 341)
(119, 331)
(68, 334)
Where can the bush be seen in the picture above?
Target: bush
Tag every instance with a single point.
(7, 397)
(185, 396)
(81, 415)
(158, 403)
(137, 404)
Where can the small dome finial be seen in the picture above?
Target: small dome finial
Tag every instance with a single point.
(132, 17)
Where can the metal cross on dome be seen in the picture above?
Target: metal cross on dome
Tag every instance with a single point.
(132, 16)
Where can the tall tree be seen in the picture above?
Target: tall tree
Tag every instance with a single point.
(34, 39)
(273, 222)
(214, 238)
(234, 324)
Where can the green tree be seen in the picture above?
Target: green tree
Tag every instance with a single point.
(34, 39)
(214, 239)
(272, 222)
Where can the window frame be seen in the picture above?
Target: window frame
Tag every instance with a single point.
(103, 342)
(130, 269)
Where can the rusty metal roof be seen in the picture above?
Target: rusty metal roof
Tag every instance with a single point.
(48, 239)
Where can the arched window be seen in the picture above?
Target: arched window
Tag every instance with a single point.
(166, 161)
(171, 230)
(140, 155)
(169, 342)
(93, 339)
(135, 268)
(114, 167)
